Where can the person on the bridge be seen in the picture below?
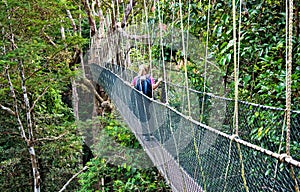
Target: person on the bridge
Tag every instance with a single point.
(145, 82)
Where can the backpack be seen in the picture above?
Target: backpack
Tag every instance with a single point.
(143, 83)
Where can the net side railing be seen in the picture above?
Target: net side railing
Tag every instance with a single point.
(142, 121)
(194, 156)
(258, 124)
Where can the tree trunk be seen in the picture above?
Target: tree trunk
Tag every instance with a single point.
(29, 140)
(74, 85)
(92, 22)
(30, 145)
(75, 100)
(128, 10)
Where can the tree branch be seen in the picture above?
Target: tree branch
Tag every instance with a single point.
(26, 100)
(8, 110)
(41, 95)
(49, 39)
(127, 12)
(51, 138)
(77, 52)
(30, 145)
(74, 176)
(72, 21)
(92, 23)
(12, 90)
(12, 134)
(12, 35)
(91, 86)
(101, 20)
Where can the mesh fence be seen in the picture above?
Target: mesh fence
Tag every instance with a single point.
(260, 125)
(200, 155)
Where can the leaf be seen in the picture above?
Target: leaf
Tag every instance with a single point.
(260, 132)
(256, 114)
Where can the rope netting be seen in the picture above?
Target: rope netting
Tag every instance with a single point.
(199, 140)
(208, 157)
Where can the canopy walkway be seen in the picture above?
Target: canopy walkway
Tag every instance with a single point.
(193, 156)
(194, 140)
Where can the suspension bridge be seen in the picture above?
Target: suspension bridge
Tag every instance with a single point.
(198, 140)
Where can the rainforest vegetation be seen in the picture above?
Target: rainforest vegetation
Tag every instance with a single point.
(45, 136)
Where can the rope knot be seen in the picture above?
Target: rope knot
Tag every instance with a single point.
(234, 136)
(189, 117)
(283, 157)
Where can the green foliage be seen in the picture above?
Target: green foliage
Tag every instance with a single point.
(102, 176)
(262, 45)
(122, 135)
(106, 173)
(58, 157)
(46, 57)
(31, 36)
(58, 149)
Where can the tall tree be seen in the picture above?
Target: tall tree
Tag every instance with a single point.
(37, 130)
